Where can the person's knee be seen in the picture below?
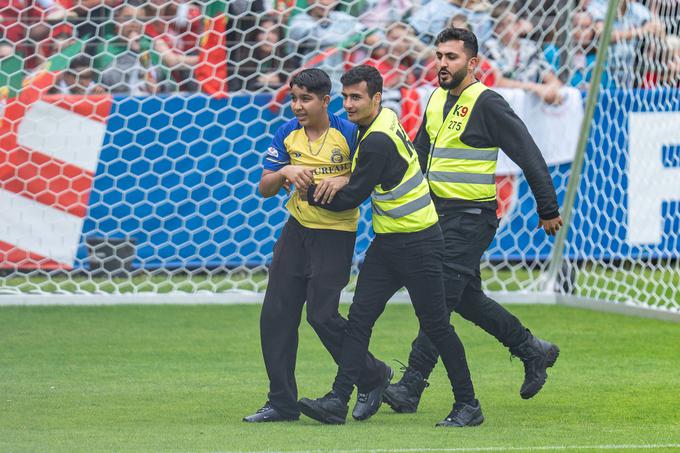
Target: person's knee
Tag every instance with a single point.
(326, 320)
(269, 315)
(436, 329)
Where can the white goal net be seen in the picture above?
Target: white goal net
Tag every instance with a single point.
(133, 134)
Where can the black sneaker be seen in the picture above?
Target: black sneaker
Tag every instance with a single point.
(268, 414)
(369, 402)
(404, 396)
(463, 415)
(329, 409)
(537, 355)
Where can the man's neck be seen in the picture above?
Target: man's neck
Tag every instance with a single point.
(317, 130)
(369, 121)
(467, 81)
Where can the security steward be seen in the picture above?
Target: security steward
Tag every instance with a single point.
(407, 251)
(464, 126)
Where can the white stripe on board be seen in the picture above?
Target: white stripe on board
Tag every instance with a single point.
(38, 228)
(65, 135)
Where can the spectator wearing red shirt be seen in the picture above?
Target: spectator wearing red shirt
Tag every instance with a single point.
(663, 63)
(175, 27)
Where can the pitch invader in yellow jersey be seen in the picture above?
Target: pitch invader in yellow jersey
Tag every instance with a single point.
(313, 256)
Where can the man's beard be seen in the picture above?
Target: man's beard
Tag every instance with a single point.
(456, 79)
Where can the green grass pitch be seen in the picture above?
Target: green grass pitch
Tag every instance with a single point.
(180, 378)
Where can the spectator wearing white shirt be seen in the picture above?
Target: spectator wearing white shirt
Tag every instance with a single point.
(321, 28)
(433, 17)
(633, 21)
(519, 62)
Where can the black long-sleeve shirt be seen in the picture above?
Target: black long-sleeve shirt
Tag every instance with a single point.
(378, 163)
(493, 123)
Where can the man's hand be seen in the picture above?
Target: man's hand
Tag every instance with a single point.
(551, 226)
(299, 176)
(550, 94)
(327, 188)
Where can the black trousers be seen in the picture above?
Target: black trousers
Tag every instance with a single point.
(309, 265)
(466, 236)
(413, 260)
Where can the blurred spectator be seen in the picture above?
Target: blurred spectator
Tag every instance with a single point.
(241, 30)
(582, 54)
(633, 22)
(267, 68)
(396, 57)
(664, 64)
(459, 21)
(21, 25)
(668, 11)
(380, 14)
(77, 79)
(523, 27)
(519, 62)
(61, 36)
(175, 27)
(320, 29)
(11, 72)
(400, 61)
(127, 61)
(93, 18)
(548, 19)
(431, 18)
(179, 23)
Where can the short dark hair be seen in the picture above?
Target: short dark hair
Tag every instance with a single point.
(459, 34)
(364, 73)
(315, 80)
(80, 61)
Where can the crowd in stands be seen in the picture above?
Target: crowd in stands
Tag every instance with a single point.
(152, 46)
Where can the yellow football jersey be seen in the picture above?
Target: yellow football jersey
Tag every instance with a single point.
(329, 155)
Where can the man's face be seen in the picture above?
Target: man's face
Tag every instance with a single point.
(309, 108)
(78, 79)
(583, 29)
(507, 28)
(321, 7)
(453, 64)
(129, 24)
(358, 104)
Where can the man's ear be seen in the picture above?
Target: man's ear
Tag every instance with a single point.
(472, 64)
(326, 100)
(377, 97)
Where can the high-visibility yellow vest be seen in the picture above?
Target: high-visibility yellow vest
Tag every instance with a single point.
(456, 170)
(407, 207)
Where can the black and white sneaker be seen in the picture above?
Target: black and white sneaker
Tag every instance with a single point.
(267, 413)
(463, 415)
(369, 402)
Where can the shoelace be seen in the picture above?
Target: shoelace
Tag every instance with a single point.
(402, 366)
(362, 397)
(264, 408)
(454, 413)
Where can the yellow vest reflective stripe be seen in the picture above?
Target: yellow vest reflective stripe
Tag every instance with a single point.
(456, 170)
(408, 206)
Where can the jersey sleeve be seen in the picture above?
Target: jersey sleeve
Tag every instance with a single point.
(277, 156)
